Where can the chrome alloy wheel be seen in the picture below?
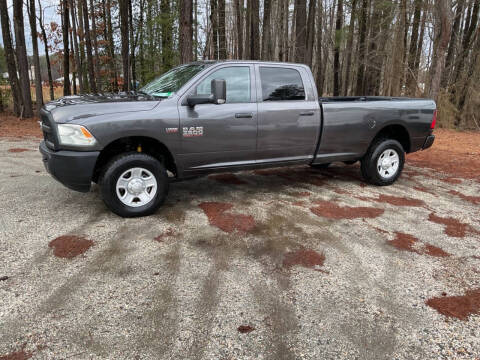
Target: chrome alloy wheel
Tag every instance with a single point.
(136, 187)
(388, 163)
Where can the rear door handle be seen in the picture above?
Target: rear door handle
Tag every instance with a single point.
(243, 115)
(307, 113)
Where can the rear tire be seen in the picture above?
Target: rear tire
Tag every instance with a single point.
(133, 184)
(383, 163)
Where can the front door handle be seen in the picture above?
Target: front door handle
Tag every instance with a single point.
(243, 115)
(307, 113)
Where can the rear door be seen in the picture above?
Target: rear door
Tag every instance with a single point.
(289, 114)
(224, 135)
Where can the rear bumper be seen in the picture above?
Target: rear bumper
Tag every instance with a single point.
(74, 169)
(428, 142)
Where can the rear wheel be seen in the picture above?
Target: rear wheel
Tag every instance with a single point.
(383, 163)
(134, 184)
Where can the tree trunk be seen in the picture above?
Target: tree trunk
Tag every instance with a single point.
(452, 44)
(310, 32)
(81, 45)
(319, 75)
(47, 56)
(411, 79)
(94, 34)
(300, 30)
(420, 45)
(125, 44)
(239, 23)
(248, 33)
(266, 29)
(21, 52)
(222, 38)
(66, 49)
(78, 64)
(132, 47)
(214, 25)
(336, 59)
(111, 45)
(88, 43)
(36, 61)
(374, 63)
(359, 89)
(349, 49)
(443, 26)
(10, 59)
(167, 40)
(254, 30)
(186, 31)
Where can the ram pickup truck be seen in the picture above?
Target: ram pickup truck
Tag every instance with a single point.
(214, 116)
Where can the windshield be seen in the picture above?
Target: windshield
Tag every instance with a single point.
(170, 82)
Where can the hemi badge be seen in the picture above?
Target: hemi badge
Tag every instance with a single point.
(171, 130)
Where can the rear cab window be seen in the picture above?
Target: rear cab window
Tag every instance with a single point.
(281, 84)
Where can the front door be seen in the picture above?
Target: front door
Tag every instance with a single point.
(223, 135)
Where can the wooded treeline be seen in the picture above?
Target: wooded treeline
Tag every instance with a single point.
(354, 47)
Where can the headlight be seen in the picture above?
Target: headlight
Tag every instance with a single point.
(70, 134)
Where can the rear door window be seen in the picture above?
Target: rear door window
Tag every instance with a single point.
(281, 84)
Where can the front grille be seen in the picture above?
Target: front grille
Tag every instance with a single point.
(48, 132)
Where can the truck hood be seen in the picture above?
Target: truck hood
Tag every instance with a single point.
(76, 107)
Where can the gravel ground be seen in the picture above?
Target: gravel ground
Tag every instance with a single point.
(277, 264)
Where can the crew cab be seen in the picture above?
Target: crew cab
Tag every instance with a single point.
(214, 116)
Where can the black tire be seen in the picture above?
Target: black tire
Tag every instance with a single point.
(320, 166)
(368, 167)
(116, 167)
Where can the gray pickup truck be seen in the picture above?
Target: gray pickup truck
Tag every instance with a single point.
(214, 116)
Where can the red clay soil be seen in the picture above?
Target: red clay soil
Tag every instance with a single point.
(473, 199)
(69, 246)
(300, 194)
(399, 201)
(17, 150)
(459, 307)
(406, 242)
(423, 189)
(169, 232)
(18, 355)
(228, 178)
(331, 210)
(218, 215)
(13, 127)
(454, 228)
(452, 180)
(304, 257)
(245, 329)
(453, 152)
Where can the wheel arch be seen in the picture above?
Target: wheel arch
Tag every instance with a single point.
(143, 144)
(397, 132)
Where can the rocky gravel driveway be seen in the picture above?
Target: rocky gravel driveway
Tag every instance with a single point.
(290, 263)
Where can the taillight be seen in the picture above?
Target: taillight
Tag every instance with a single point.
(434, 120)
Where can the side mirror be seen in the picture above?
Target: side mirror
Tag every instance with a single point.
(219, 91)
(218, 94)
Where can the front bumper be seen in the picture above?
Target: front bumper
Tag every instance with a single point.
(428, 142)
(74, 169)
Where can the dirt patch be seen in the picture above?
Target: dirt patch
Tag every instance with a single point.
(296, 175)
(460, 307)
(168, 233)
(300, 194)
(69, 246)
(399, 201)
(299, 203)
(13, 127)
(473, 199)
(228, 178)
(407, 242)
(331, 210)
(452, 180)
(17, 150)
(304, 257)
(18, 355)
(245, 329)
(454, 228)
(453, 152)
(423, 189)
(218, 215)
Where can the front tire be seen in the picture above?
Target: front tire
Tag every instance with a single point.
(383, 163)
(134, 184)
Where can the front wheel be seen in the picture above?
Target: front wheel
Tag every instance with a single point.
(383, 163)
(134, 184)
